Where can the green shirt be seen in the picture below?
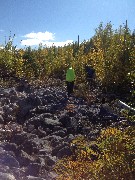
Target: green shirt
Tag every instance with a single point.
(70, 75)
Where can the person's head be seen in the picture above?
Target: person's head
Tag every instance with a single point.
(69, 66)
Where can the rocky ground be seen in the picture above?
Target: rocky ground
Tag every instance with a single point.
(38, 124)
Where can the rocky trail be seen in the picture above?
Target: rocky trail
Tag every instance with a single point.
(38, 124)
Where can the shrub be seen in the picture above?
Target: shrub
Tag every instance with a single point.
(114, 158)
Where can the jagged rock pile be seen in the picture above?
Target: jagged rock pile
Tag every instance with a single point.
(37, 126)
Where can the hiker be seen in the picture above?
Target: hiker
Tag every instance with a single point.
(90, 75)
(70, 78)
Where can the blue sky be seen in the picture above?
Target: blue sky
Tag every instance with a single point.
(60, 21)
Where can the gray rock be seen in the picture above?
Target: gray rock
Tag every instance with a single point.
(6, 176)
(1, 119)
(34, 178)
(33, 169)
(23, 112)
(9, 147)
(54, 140)
(5, 169)
(24, 159)
(61, 133)
(7, 109)
(16, 172)
(30, 146)
(13, 98)
(50, 161)
(50, 123)
(34, 100)
(58, 147)
(51, 176)
(45, 150)
(65, 120)
(8, 160)
(19, 138)
(65, 151)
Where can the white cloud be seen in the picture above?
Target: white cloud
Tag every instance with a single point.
(1, 30)
(46, 38)
(30, 42)
(42, 36)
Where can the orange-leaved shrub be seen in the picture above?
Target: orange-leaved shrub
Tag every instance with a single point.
(112, 157)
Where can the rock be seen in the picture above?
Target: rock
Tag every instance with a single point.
(35, 121)
(6, 176)
(33, 169)
(40, 133)
(65, 151)
(25, 159)
(50, 123)
(34, 178)
(34, 100)
(30, 146)
(14, 99)
(42, 121)
(12, 147)
(61, 133)
(30, 128)
(19, 138)
(46, 149)
(5, 169)
(8, 160)
(43, 110)
(50, 161)
(54, 140)
(14, 107)
(51, 176)
(65, 120)
(1, 119)
(58, 147)
(69, 138)
(24, 112)
(58, 128)
(7, 109)
(9, 118)
(13, 91)
(1, 110)
(16, 172)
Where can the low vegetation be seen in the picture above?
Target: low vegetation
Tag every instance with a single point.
(111, 156)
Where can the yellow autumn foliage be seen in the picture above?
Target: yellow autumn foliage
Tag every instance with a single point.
(114, 160)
